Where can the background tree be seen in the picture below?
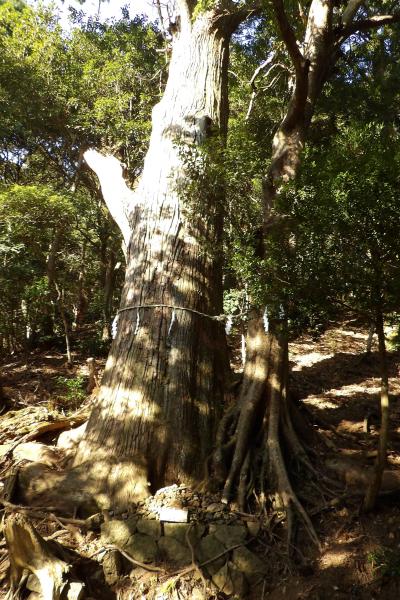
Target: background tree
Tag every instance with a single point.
(312, 44)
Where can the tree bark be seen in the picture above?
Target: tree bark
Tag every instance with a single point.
(161, 395)
(381, 460)
(311, 70)
(56, 291)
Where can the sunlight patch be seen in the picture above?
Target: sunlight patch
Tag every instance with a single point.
(307, 360)
(354, 388)
(320, 402)
(336, 557)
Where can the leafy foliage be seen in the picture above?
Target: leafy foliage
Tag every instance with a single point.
(336, 244)
(94, 85)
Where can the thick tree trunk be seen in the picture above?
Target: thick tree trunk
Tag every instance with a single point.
(161, 395)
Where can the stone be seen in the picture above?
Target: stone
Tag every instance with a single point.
(76, 591)
(230, 581)
(118, 532)
(197, 594)
(253, 527)
(230, 535)
(69, 440)
(249, 564)
(208, 548)
(239, 582)
(138, 573)
(174, 551)
(33, 584)
(178, 531)
(112, 567)
(152, 515)
(36, 452)
(142, 548)
(222, 580)
(215, 507)
(149, 527)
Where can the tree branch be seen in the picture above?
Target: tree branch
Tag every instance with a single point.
(117, 196)
(288, 35)
(367, 24)
(185, 9)
(350, 11)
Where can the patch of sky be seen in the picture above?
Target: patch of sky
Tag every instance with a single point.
(69, 10)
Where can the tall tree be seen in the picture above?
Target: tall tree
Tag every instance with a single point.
(314, 43)
(156, 415)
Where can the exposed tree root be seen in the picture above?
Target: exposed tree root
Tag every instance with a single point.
(251, 399)
(41, 513)
(264, 409)
(243, 481)
(137, 563)
(28, 551)
(277, 467)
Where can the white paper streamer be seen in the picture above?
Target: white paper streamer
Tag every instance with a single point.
(137, 322)
(265, 320)
(173, 319)
(114, 326)
(228, 324)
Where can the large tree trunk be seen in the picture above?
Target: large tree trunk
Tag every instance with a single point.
(155, 418)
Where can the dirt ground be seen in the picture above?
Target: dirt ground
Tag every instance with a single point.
(336, 385)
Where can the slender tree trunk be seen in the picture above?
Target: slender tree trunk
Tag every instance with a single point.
(162, 390)
(311, 70)
(312, 60)
(81, 299)
(58, 293)
(381, 461)
(370, 339)
(108, 290)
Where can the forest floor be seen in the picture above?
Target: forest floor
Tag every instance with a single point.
(336, 384)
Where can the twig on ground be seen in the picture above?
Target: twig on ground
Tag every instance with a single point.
(110, 547)
(194, 563)
(36, 513)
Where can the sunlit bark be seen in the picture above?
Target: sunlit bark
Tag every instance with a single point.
(155, 417)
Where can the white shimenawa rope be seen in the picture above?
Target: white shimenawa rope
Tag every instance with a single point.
(197, 312)
(228, 318)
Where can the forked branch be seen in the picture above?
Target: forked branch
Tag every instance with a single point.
(117, 195)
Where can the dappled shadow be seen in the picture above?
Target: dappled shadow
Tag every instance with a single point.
(343, 368)
(340, 403)
(344, 391)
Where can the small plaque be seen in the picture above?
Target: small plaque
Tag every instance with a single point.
(174, 515)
